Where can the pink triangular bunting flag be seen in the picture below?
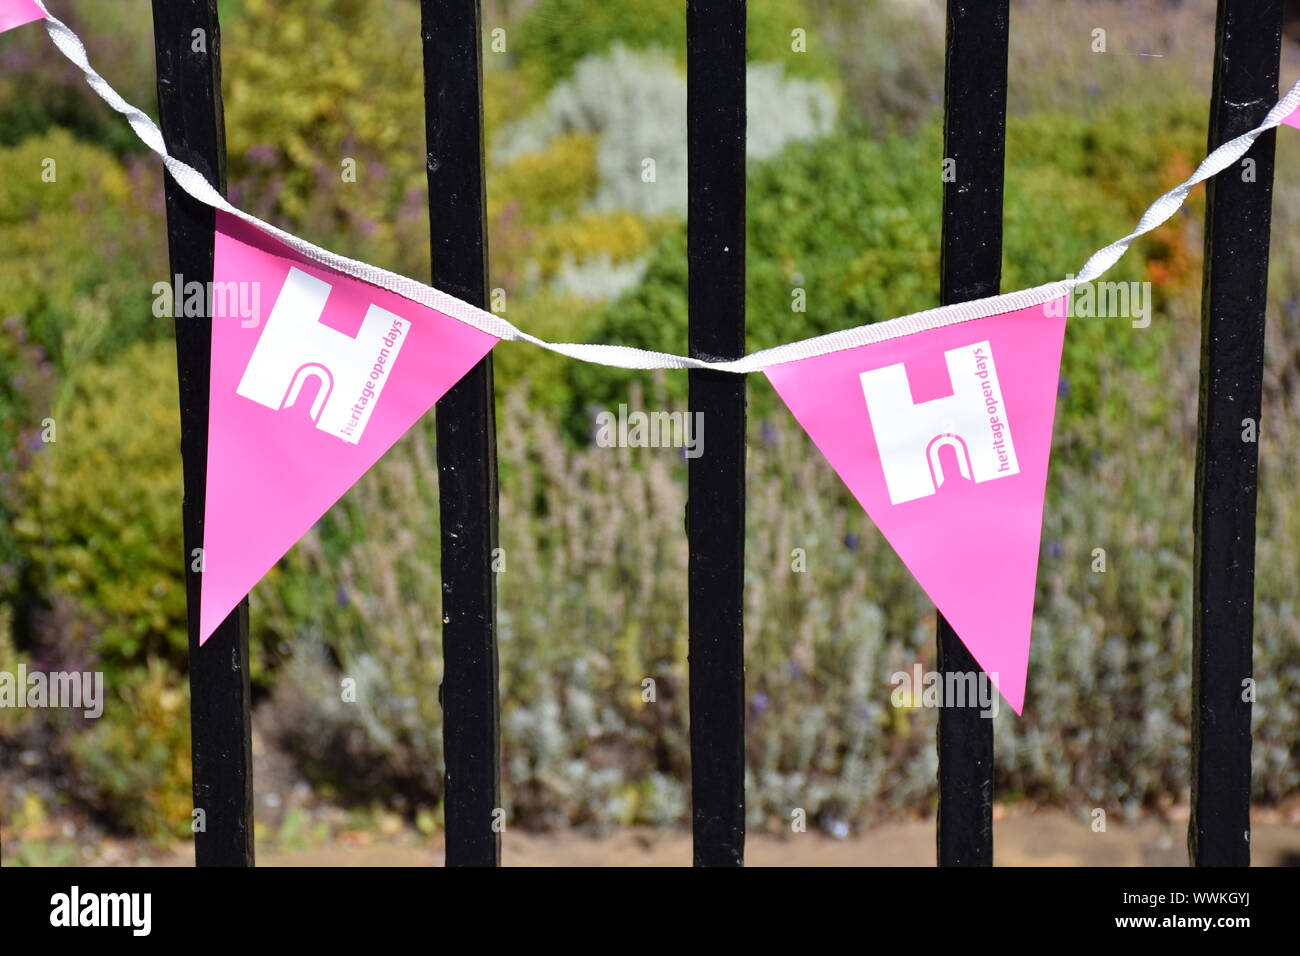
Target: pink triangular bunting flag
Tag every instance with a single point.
(1293, 119)
(314, 376)
(943, 436)
(14, 13)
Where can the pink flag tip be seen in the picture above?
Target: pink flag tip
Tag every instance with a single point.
(943, 436)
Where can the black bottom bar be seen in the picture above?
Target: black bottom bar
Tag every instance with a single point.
(716, 523)
(467, 448)
(469, 692)
(715, 141)
(965, 824)
(975, 99)
(1238, 210)
(221, 731)
(190, 113)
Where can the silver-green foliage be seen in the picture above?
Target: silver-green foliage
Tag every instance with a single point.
(636, 102)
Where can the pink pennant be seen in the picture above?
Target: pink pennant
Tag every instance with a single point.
(1293, 119)
(14, 13)
(943, 436)
(314, 376)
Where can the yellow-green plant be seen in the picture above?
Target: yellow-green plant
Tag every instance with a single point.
(134, 762)
(101, 527)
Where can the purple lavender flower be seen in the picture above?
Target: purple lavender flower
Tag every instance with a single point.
(263, 154)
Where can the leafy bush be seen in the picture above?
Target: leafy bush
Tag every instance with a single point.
(537, 226)
(70, 308)
(556, 34)
(888, 56)
(10, 658)
(60, 308)
(543, 183)
(102, 524)
(40, 90)
(636, 103)
(134, 763)
(855, 223)
(311, 85)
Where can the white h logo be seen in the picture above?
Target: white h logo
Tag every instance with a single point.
(295, 347)
(971, 421)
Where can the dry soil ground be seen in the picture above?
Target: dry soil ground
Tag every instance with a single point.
(1042, 839)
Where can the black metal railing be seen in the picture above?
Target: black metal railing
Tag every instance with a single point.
(467, 442)
(970, 267)
(715, 508)
(1237, 235)
(189, 110)
(1237, 213)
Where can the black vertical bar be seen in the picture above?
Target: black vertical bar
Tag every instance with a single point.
(975, 110)
(1234, 288)
(715, 138)
(189, 107)
(467, 448)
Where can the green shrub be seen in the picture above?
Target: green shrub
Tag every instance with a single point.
(310, 86)
(81, 255)
(102, 524)
(71, 306)
(40, 90)
(10, 658)
(888, 56)
(101, 528)
(635, 102)
(134, 763)
(855, 222)
(556, 34)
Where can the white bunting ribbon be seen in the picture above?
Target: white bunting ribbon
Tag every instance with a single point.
(620, 356)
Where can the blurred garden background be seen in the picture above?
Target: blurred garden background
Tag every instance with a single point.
(844, 192)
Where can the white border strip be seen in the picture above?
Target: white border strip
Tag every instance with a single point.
(620, 356)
